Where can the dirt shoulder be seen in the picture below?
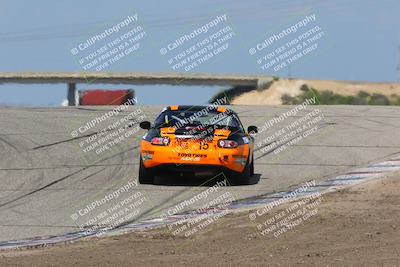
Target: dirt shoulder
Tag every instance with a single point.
(358, 226)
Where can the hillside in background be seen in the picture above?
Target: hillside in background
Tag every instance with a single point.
(293, 91)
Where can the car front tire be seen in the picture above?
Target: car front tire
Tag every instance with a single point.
(243, 178)
(146, 176)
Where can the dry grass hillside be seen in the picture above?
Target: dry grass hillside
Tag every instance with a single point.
(292, 88)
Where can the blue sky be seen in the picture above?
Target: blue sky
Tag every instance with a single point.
(360, 43)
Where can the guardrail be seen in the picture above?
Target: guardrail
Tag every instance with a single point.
(72, 78)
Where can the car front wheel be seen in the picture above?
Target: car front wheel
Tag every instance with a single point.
(146, 176)
(243, 178)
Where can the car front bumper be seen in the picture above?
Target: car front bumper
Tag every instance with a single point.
(233, 159)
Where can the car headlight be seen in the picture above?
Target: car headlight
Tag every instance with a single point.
(160, 141)
(227, 143)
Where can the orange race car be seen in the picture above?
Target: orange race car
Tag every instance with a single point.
(197, 140)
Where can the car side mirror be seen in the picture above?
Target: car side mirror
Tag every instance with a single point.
(252, 129)
(145, 125)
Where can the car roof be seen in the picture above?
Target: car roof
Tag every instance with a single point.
(198, 108)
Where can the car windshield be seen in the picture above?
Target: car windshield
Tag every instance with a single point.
(180, 119)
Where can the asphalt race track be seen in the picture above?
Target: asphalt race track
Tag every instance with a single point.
(46, 176)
